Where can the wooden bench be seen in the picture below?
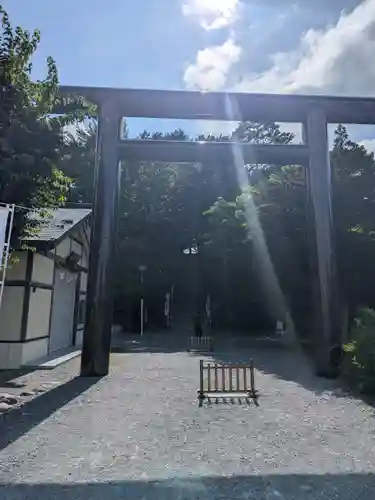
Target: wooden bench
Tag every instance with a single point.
(201, 343)
(220, 381)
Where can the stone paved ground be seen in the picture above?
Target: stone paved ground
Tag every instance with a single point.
(138, 434)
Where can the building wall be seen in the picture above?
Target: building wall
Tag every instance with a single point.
(81, 235)
(84, 262)
(25, 310)
(11, 312)
(76, 247)
(63, 249)
(83, 282)
(39, 313)
(79, 337)
(40, 298)
(80, 239)
(13, 355)
(43, 268)
(10, 355)
(17, 268)
(81, 308)
(34, 350)
(74, 243)
(27, 301)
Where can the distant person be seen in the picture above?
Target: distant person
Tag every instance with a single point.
(167, 306)
(198, 329)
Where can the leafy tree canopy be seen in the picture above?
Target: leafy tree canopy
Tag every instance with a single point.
(31, 136)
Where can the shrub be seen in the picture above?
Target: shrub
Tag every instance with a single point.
(359, 359)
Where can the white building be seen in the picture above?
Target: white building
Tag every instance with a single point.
(43, 306)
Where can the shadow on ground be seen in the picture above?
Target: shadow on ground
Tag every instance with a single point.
(272, 487)
(283, 364)
(269, 356)
(7, 377)
(19, 421)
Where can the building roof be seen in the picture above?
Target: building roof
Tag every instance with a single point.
(57, 224)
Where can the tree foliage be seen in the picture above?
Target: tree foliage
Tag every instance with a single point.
(31, 136)
(163, 209)
(354, 203)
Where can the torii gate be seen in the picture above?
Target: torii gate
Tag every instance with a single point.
(313, 112)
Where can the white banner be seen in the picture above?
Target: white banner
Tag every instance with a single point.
(4, 213)
(167, 304)
(208, 307)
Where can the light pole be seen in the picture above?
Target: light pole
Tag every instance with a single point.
(194, 250)
(142, 268)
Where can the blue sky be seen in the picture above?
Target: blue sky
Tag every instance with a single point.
(139, 44)
(133, 44)
(300, 46)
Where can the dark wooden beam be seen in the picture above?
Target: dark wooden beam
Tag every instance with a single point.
(102, 264)
(194, 152)
(180, 104)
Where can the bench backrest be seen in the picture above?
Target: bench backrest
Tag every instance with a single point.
(231, 378)
(201, 341)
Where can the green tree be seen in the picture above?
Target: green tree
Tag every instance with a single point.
(77, 161)
(246, 222)
(164, 208)
(31, 136)
(280, 193)
(354, 202)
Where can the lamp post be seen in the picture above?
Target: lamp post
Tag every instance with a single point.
(142, 268)
(194, 250)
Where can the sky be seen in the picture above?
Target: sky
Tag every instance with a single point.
(277, 46)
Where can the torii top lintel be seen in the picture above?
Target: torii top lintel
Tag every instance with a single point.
(194, 105)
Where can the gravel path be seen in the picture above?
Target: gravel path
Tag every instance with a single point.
(138, 434)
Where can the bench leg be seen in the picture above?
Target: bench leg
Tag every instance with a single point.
(254, 396)
(201, 398)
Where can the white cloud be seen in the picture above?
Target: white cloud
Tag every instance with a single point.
(334, 60)
(212, 14)
(212, 65)
(337, 60)
(369, 144)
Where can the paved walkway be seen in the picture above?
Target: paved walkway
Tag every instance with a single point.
(138, 434)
